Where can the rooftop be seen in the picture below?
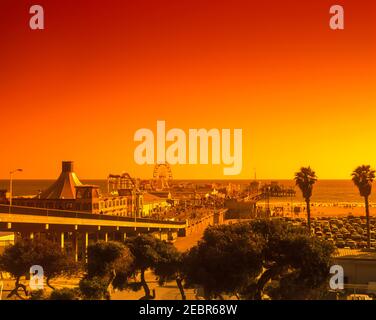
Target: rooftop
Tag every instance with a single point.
(150, 198)
(360, 254)
(64, 186)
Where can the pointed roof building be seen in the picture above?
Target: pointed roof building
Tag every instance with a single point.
(64, 186)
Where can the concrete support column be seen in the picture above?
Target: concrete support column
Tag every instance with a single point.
(62, 240)
(106, 237)
(75, 245)
(98, 234)
(86, 244)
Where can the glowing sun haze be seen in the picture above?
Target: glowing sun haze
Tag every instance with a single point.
(78, 90)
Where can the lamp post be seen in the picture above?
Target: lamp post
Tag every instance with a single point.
(268, 204)
(11, 186)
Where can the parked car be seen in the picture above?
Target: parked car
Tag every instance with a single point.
(340, 244)
(351, 244)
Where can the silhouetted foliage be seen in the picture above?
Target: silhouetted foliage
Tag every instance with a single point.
(94, 288)
(18, 258)
(38, 295)
(109, 263)
(363, 176)
(65, 294)
(242, 259)
(226, 259)
(145, 248)
(169, 265)
(305, 178)
(107, 257)
(291, 257)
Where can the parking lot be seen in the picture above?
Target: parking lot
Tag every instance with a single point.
(344, 232)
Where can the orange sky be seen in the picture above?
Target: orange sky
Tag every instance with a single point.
(78, 90)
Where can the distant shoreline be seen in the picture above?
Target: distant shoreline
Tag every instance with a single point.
(337, 192)
(186, 180)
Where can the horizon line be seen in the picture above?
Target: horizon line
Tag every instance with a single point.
(184, 179)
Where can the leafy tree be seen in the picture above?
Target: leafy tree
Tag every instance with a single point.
(242, 259)
(109, 263)
(169, 265)
(54, 261)
(108, 257)
(363, 177)
(290, 288)
(226, 259)
(305, 178)
(94, 288)
(38, 295)
(298, 262)
(16, 261)
(144, 249)
(18, 258)
(65, 294)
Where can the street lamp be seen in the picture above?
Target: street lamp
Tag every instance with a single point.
(11, 186)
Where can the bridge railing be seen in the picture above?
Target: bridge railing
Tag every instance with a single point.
(81, 215)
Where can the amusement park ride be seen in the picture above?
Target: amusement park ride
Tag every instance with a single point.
(120, 181)
(162, 176)
(161, 181)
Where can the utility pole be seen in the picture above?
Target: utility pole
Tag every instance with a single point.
(11, 187)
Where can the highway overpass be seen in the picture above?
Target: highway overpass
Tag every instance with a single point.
(78, 228)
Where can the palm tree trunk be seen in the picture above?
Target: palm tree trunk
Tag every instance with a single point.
(308, 215)
(368, 228)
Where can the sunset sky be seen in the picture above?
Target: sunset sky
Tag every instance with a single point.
(78, 90)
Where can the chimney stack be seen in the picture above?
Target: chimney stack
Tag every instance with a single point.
(67, 166)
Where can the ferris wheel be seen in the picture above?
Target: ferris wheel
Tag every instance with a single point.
(162, 174)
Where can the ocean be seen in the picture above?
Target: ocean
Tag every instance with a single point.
(325, 191)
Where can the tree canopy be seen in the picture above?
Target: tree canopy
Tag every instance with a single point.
(18, 258)
(169, 266)
(290, 255)
(153, 253)
(363, 177)
(242, 259)
(109, 263)
(226, 259)
(305, 178)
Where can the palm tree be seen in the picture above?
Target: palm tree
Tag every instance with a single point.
(305, 178)
(363, 177)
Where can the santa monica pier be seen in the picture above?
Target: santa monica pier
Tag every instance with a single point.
(76, 214)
